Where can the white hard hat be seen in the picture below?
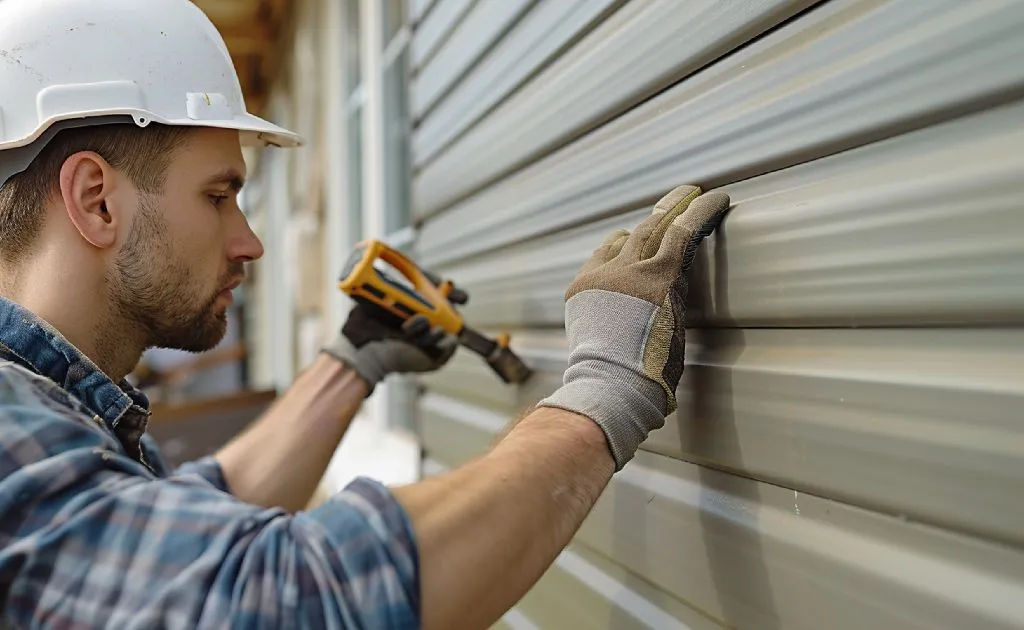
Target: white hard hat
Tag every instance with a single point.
(81, 62)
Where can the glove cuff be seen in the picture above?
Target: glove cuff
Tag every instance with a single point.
(626, 409)
(360, 362)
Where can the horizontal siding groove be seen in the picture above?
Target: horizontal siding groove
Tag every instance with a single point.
(920, 230)
(874, 418)
(437, 25)
(846, 74)
(419, 9)
(472, 442)
(485, 23)
(466, 413)
(754, 555)
(546, 31)
(515, 620)
(640, 49)
(616, 587)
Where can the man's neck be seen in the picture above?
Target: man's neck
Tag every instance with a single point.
(114, 348)
(75, 308)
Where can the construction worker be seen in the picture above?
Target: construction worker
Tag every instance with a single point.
(120, 163)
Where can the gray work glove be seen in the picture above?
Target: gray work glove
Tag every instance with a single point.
(375, 343)
(625, 317)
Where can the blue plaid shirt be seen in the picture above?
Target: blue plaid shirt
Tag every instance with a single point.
(95, 531)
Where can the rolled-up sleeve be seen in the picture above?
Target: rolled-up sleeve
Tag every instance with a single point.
(99, 545)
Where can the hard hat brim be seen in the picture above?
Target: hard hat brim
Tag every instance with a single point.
(254, 131)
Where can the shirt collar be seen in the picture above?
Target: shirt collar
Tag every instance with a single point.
(40, 347)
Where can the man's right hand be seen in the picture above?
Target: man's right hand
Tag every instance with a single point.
(625, 319)
(375, 344)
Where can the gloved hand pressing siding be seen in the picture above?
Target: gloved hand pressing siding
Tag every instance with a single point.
(375, 343)
(625, 317)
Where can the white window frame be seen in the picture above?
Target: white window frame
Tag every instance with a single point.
(379, 442)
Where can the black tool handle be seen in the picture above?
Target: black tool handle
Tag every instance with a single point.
(509, 367)
(477, 342)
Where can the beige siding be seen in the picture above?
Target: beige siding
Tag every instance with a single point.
(848, 448)
(755, 555)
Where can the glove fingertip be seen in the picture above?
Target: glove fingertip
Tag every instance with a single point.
(676, 196)
(709, 207)
(416, 325)
(616, 246)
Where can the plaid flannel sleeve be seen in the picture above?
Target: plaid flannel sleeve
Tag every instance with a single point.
(206, 468)
(89, 539)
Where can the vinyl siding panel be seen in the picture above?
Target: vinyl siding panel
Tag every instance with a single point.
(920, 229)
(848, 73)
(639, 50)
(417, 9)
(484, 23)
(438, 23)
(535, 40)
(847, 450)
(881, 418)
(754, 555)
(585, 590)
(515, 620)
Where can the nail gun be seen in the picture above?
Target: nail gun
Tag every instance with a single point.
(420, 292)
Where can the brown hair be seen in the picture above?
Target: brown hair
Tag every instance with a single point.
(141, 153)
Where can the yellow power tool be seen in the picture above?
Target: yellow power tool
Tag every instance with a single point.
(420, 292)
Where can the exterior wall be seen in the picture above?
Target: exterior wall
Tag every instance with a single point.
(287, 205)
(848, 448)
(342, 86)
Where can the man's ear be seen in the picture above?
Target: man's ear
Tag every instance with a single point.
(86, 186)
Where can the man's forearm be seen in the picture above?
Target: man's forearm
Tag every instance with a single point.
(278, 461)
(505, 517)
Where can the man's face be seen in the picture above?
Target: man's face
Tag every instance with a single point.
(186, 246)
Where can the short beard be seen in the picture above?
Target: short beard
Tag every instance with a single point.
(151, 291)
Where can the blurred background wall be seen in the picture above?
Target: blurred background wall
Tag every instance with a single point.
(848, 446)
(336, 72)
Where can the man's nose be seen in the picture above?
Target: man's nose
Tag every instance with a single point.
(244, 246)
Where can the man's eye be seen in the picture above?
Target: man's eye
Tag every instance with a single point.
(216, 200)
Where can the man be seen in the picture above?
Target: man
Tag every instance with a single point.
(120, 163)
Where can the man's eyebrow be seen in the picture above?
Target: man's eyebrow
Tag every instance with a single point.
(229, 176)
